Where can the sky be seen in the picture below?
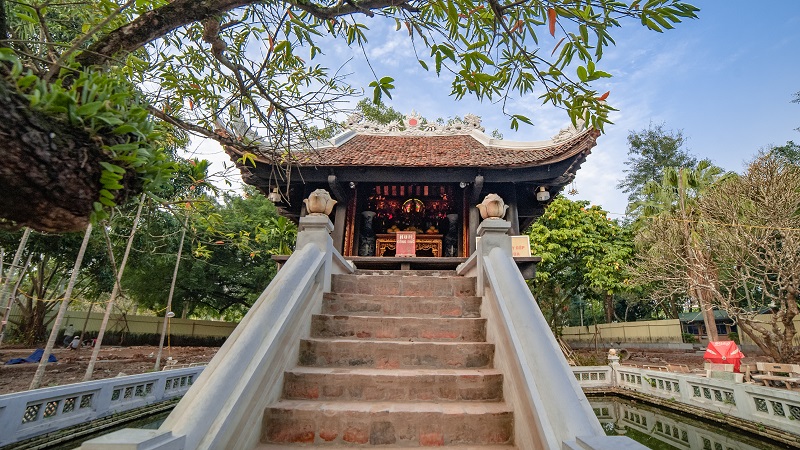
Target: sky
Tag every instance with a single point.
(726, 80)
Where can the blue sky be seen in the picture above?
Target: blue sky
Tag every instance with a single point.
(726, 79)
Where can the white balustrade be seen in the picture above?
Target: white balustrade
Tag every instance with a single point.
(670, 430)
(776, 407)
(28, 414)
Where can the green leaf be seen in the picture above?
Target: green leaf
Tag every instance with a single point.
(125, 129)
(27, 18)
(125, 147)
(89, 109)
(582, 74)
(112, 167)
(26, 81)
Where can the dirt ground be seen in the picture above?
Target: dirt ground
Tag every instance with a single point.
(653, 357)
(112, 361)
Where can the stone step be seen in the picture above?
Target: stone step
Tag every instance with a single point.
(407, 306)
(409, 286)
(387, 423)
(398, 328)
(394, 447)
(316, 383)
(395, 354)
(407, 273)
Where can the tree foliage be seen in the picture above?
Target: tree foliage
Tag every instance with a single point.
(226, 260)
(106, 80)
(49, 260)
(674, 260)
(754, 233)
(584, 256)
(650, 152)
(789, 153)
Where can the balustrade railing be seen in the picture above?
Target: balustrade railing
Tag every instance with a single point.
(776, 407)
(550, 410)
(29, 414)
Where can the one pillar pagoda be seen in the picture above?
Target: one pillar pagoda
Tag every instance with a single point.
(423, 177)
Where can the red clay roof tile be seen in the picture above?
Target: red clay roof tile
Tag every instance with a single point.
(438, 151)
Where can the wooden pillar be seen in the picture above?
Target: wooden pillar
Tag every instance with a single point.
(513, 210)
(339, 216)
(474, 220)
(474, 214)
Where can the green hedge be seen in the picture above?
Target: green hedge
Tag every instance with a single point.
(130, 339)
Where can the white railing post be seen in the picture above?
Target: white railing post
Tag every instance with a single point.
(494, 234)
(315, 229)
(613, 361)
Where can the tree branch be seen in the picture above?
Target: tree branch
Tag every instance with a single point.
(218, 135)
(160, 21)
(3, 22)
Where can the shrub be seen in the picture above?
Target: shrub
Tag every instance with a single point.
(689, 338)
(130, 339)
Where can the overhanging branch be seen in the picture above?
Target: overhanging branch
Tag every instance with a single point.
(161, 21)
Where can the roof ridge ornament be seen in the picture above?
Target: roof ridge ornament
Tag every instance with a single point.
(414, 125)
(569, 131)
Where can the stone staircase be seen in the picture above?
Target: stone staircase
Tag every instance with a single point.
(395, 359)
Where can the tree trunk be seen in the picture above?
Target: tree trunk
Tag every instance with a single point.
(695, 267)
(672, 308)
(608, 302)
(50, 176)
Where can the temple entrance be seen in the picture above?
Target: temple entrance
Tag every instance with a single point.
(432, 211)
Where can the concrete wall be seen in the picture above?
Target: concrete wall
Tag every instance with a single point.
(660, 333)
(147, 324)
(745, 340)
(665, 331)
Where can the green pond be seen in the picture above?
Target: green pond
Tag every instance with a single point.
(653, 427)
(661, 429)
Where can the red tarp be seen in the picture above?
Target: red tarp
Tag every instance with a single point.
(724, 352)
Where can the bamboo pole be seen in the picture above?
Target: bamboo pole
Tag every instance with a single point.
(12, 273)
(171, 292)
(48, 349)
(115, 291)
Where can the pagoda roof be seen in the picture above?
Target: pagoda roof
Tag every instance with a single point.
(459, 144)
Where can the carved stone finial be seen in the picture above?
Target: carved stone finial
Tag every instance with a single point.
(569, 131)
(413, 120)
(319, 203)
(493, 207)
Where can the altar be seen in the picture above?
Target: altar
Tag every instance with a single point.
(425, 245)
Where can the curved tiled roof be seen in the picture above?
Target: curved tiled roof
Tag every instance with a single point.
(462, 144)
(441, 151)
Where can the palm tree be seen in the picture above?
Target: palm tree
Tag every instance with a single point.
(675, 199)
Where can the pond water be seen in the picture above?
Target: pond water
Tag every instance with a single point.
(661, 429)
(147, 423)
(653, 427)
